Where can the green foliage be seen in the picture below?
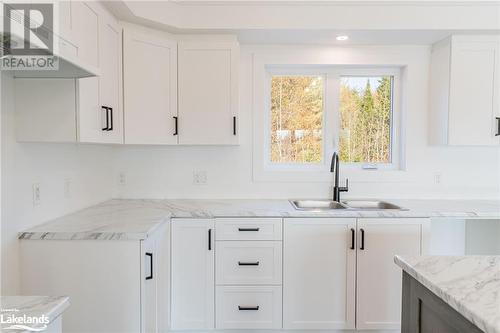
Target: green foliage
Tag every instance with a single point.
(365, 119)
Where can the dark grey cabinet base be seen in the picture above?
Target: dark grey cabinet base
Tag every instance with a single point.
(424, 312)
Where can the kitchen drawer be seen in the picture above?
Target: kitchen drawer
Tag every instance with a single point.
(248, 229)
(248, 262)
(248, 307)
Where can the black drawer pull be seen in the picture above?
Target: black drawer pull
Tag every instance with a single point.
(150, 276)
(242, 263)
(209, 239)
(176, 125)
(362, 247)
(352, 238)
(248, 229)
(498, 126)
(234, 125)
(248, 308)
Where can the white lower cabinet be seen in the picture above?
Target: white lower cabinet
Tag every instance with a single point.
(110, 283)
(248, 307)
(193, 276)
(339, 269)
(319, 273)
(378, 278)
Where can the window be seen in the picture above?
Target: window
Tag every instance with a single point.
(365, 119)
(303, 113)
(296, 119)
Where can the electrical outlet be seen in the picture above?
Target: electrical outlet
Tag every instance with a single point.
(438, 178)
(67, 188)
(122, 179)
(199, 177)
(37, 195)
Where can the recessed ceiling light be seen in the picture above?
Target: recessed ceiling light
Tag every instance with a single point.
(342, 37)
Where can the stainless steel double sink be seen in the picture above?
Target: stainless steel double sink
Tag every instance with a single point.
(324, 205)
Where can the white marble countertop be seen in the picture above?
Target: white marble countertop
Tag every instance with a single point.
(32, 306)
(130, 219)
(469, 284)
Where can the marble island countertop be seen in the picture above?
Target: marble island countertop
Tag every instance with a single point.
(50, 307)
(469, 284)
(130, 219)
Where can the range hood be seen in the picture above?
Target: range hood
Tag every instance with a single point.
(69, 66)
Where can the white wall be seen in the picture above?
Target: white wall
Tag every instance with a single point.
(466, 172)
(88, 167)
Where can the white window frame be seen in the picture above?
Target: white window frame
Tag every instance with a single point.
(265, 170)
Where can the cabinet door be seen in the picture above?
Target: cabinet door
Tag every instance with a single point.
(319, 273)
(474, 92)
(378, 278)
(155, 277)
(109, 80)
(193, 285)
(150, 87)
(208, 92)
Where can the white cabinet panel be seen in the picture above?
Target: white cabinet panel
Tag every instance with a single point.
(464, 94)
(110, 78)
(248, 229)
(150, 87)
(248, 307)
(193, 285)
(101, 278)
(248, 262)
(472, 93)
(155, 277)
(208, 92)
(378, 278)
(319, 273)
(90, 114)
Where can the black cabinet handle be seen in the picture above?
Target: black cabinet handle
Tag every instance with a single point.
(150, 255)
(234, 125)
(240, 263)
(209, 239)
(362, 247)
(176, 125)
(353, 232)
(248, 229)
(111, 118)
(498, 126)
(105, 108)
(248, 308)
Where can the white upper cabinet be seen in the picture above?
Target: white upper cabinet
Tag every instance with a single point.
(208, 92)
(85, 20)
(378, 278)
(79, 31)
(77, 110)
(464, 91)
(319, 273)
(150, 86)
(110, 55)
(100, 115)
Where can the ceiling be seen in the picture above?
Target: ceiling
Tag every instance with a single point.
(316, 21)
